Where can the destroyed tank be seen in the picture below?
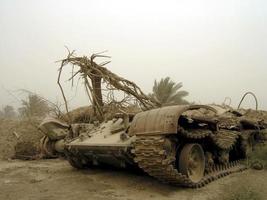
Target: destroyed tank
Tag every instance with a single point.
(185, 145)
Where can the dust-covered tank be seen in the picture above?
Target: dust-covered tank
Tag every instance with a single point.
(186, 145)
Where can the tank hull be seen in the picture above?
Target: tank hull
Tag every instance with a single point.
(182, 145)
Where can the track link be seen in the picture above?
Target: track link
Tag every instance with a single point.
(225, 139)
(151, 156)
(195, 133)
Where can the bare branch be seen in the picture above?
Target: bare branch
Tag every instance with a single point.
(99, 75)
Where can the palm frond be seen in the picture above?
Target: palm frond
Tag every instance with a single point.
(167, 92)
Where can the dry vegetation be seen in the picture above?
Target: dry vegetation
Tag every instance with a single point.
(19, 134)
(19, 138)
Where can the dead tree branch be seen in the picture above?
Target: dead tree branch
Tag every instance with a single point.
(98, 75)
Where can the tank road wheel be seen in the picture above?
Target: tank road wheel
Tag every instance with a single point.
(249, 146)
(47, 148)
(192, 162)
(76, 162)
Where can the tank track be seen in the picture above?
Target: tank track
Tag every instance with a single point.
(225, 139)
(195, 133)
(151, 156)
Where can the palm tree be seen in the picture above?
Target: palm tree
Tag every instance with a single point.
(9, 112)
(168, 92)
(34, 106)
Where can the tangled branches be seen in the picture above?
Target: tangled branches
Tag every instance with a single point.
(95, 75)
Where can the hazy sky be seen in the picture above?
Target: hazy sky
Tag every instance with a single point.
(216, 48)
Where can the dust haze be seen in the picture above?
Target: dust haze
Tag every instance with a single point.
(216, 48)
(156, 116)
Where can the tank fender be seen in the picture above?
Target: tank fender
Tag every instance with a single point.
(54, 129)
(162, 120)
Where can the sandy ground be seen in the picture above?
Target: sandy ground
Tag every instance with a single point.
(55, 179)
